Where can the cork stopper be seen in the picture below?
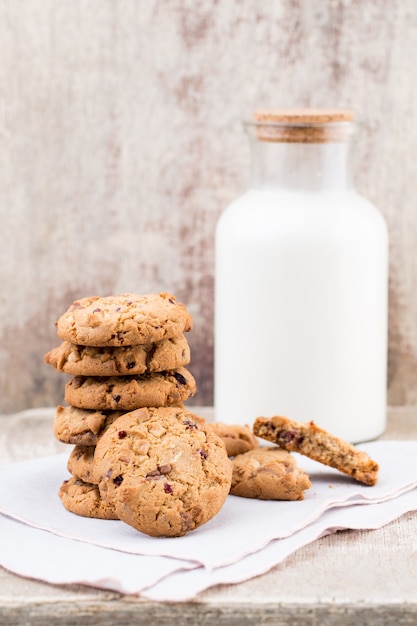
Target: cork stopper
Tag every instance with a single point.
(303, 125)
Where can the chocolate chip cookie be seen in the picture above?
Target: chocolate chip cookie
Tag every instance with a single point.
(127, 393)
(238, 439)
(268, 474)
(163, 469)
(81, 463)
(82, 426)
(318, 444)
(123, 320)
(84, 499)
(78, 360)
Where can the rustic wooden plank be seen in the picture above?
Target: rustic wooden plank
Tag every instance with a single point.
(121, 143)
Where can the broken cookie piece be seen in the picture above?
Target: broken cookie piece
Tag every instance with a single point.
(316, 443)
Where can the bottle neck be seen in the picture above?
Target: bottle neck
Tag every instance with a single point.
(301, 166)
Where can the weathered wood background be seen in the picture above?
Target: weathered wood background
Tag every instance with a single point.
(121, 142)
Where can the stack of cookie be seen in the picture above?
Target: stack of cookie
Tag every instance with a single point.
(124, 353)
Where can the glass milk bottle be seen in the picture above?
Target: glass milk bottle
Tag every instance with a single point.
(301, 263)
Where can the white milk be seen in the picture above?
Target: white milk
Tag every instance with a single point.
(301, 310)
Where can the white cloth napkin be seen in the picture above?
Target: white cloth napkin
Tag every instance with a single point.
(246, 538)
(182, 586)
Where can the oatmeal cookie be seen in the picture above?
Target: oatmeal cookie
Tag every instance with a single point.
(238, 439)
(318, 444)
(84, 499)
(81, 463)
(164, 470)
(78, 360)
(127, 393)
(82, 426)
(268, 474)
(123, 320)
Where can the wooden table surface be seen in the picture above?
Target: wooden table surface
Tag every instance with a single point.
(352, 577)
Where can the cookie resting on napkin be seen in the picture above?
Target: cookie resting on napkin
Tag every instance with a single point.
(319, 445)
